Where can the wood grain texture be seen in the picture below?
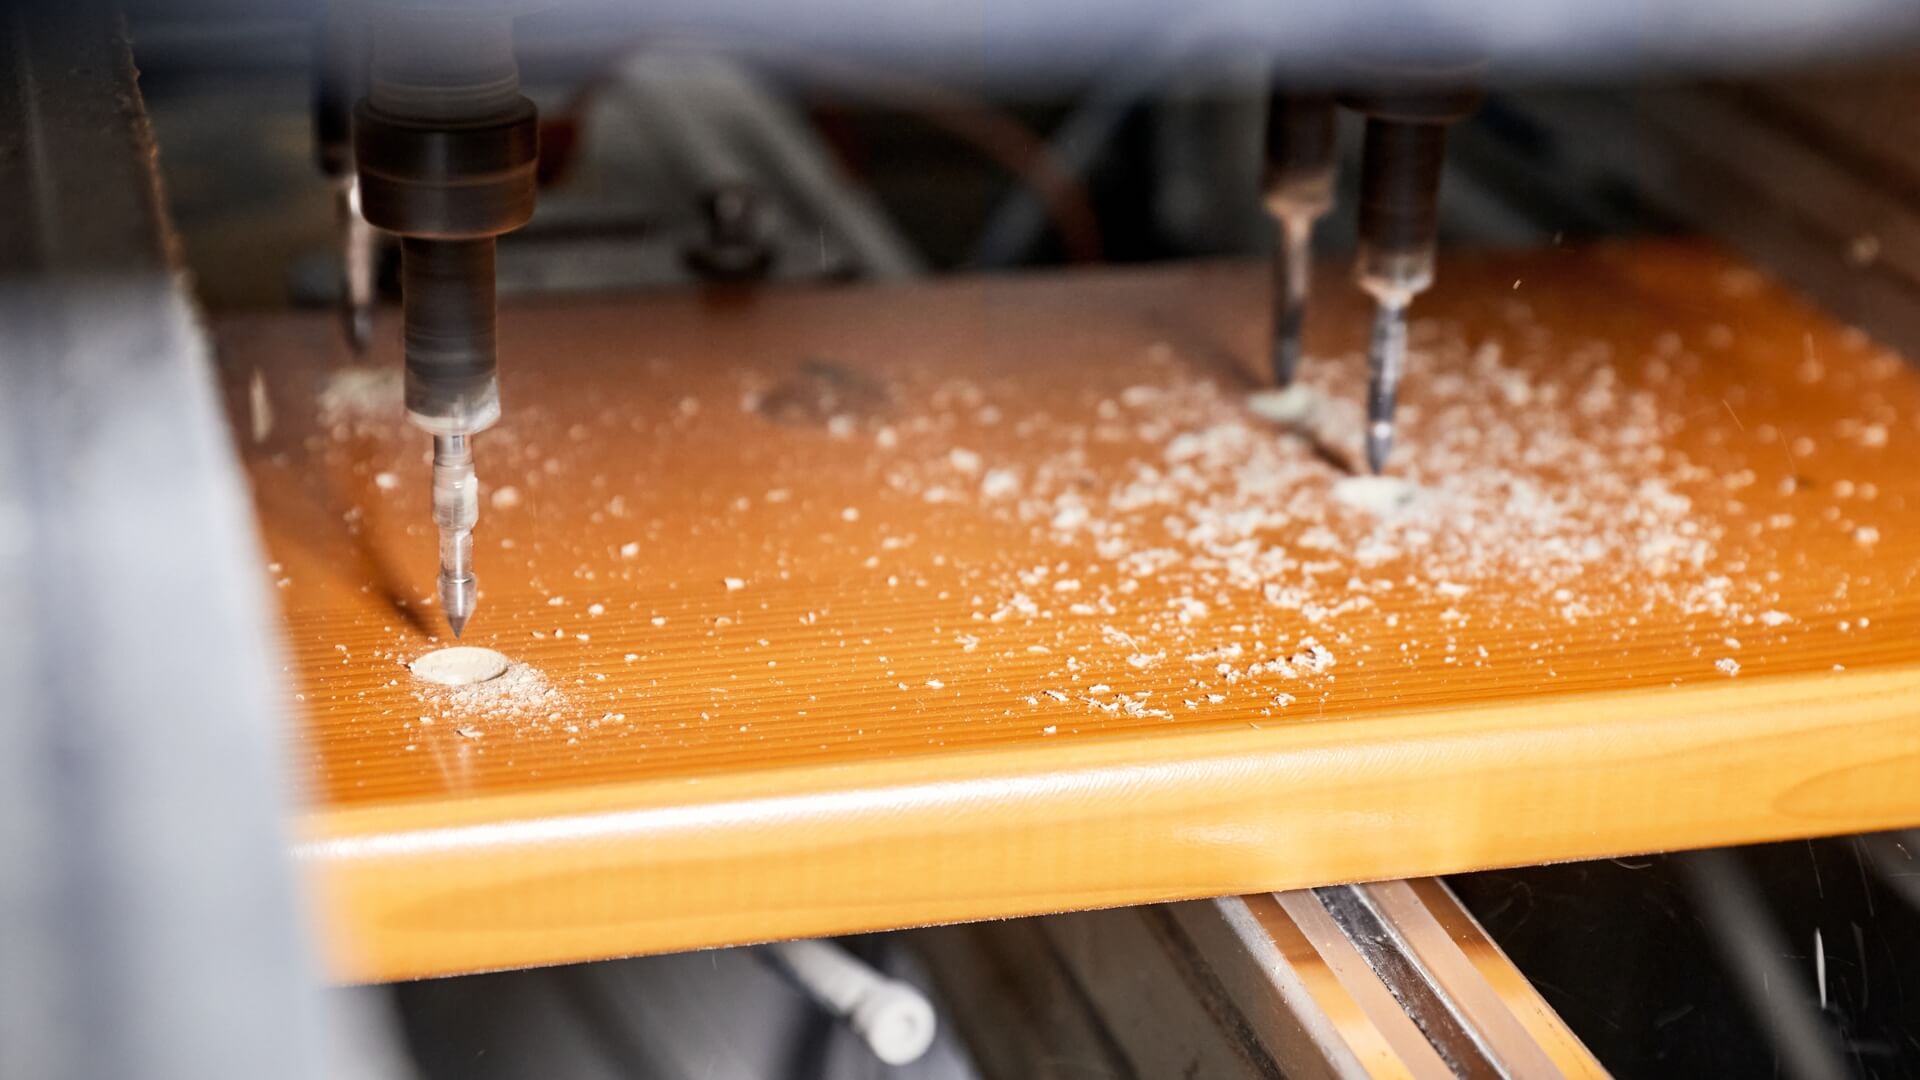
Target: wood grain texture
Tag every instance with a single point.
(866, 608)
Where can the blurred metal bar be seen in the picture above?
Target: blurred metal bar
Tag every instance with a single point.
(148, 916)
(1388, 979)
(1018, 42)
(1755, 953)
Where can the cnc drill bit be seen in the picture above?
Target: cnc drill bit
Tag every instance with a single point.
(1400, 166)
(1386, 361)
(451, 389)
(446, 148)
(456, 509)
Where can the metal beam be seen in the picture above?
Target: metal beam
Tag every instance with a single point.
(148, 914)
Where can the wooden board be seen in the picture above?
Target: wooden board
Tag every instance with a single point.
(861, 608)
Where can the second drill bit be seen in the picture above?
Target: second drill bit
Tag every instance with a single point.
(1299, 192)
(340, 75)
(356, 262)
(1293, 264)
(358, 251)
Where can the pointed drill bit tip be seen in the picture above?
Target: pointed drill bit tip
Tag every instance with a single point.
(458, 597)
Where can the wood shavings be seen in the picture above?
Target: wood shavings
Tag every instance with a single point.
(1295, 406)
(1553, 479)
(516, 694)
(361, 392)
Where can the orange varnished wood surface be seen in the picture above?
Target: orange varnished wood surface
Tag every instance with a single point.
(876, 607)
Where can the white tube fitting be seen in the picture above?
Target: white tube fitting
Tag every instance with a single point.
(894, 1019)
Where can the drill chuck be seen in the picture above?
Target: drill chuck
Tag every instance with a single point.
(447, 179)
(448, 187)
(1401, 159)
(1400, 203)
(1300, 154)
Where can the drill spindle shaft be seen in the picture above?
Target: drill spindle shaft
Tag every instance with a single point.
(1386, 362)
(1293, 263)
(452, 391)
(1299, 192)
(456, 509)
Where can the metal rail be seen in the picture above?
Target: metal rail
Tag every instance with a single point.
(1387, 979)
